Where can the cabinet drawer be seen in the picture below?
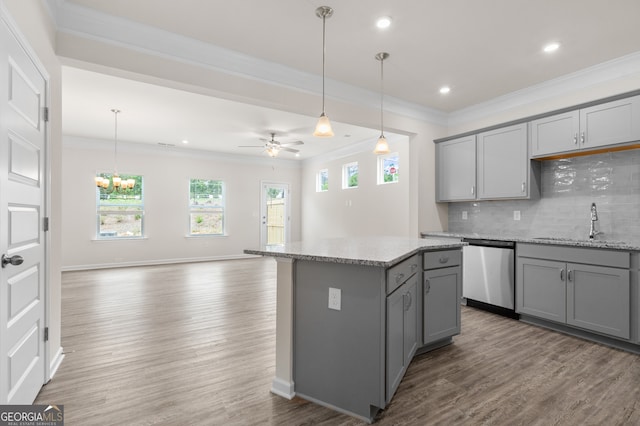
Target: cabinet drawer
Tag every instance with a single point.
(398, 274)
(442, 259)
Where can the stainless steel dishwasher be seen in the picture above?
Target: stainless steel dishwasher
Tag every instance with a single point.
(488, 275)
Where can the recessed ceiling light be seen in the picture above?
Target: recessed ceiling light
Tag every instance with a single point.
(184, 141)
(383, 22)
(445, 89)
(551, 47)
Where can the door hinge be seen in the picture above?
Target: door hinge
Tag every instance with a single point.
(45, 113)
(45, 224)
(46, 334)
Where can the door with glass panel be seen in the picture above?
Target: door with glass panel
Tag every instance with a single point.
(274, 215)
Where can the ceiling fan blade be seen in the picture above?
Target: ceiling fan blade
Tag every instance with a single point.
(292, 143)
(282, 148)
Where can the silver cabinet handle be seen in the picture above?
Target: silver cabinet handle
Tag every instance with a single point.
(414, 266)
(473, 190)
(428, 288)
(582, 137)
(443, 259)
(523, 187)
(575, 138)
(569, 275)
(408, 304)
(399, 278)
(562, 274)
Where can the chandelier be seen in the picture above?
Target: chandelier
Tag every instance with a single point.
(117, 183)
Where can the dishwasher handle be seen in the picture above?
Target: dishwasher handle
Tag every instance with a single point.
(489, 243)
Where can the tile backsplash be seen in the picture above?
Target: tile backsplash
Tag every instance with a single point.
(568, 187)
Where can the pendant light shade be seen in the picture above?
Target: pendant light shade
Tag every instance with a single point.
(323, 128)
(382, 147)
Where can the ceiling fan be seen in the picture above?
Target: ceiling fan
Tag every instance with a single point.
(272, 147)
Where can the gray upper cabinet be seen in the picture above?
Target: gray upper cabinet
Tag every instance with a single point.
(456, 169)
(503, 163)
(610, 123)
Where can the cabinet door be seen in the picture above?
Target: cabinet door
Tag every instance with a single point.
(442, 290)
(456, 166)
(410, 334)
(503, 163)
(610, 123)
(555, 134)
(598, 299)
(395, 340)
(541, 288)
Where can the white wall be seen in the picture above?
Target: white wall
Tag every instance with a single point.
(369, 209)
(166, 175)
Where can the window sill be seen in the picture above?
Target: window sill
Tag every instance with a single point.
(195, 237)
(120, 239)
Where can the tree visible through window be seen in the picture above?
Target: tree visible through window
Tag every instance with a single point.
(350, 175)
(322, 180)
(206, 207)
(120, 211)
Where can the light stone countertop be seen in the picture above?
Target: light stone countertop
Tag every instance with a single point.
(369, 251)
(633, 244)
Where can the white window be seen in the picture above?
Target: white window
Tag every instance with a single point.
(120, 212)
(322, 180)
(206, 207)
(388, 168)
(350, 175)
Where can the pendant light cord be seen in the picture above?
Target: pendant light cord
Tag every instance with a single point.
(381, 97)
(115, 145)
(324, 54)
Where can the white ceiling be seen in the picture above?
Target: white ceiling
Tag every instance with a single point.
(481, 49)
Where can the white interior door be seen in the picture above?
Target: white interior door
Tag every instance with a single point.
(22, 240)
(274, 214)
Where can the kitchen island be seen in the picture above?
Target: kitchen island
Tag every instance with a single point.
(352, 313)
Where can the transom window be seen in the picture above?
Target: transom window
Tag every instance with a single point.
(120, 212)
(206, 207)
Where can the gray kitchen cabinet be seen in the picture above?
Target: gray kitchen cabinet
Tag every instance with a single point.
(441, 294)
(598, 299)
(580, 287)
(456, 169)
(442, 291)
(540, 288)
(610, 123)
(402, 332)
(503, 163)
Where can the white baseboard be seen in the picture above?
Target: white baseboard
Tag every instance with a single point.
(155, 262)
(283, 388)
(55, 364)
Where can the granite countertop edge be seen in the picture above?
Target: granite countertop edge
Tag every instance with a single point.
(386, 263)
(556, 241)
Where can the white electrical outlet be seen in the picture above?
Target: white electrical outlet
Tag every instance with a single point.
(335, 298)
(516, 215)
(465, 216)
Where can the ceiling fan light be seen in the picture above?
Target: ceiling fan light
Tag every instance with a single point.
(323, 128)
(382, 147)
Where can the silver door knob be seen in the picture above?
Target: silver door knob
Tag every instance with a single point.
(13, 260)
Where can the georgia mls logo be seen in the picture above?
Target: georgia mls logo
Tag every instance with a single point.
(31, 415)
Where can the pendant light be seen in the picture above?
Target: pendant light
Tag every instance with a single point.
(382, 147)
(323, 128)
(116, 181)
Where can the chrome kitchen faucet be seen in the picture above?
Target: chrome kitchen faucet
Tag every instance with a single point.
(594, 218)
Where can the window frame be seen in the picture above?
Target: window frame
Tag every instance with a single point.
(101, 235)
(346, 177)
(319, 183)
(380, 168)
(191, 209)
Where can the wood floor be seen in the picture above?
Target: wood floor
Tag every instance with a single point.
(193, 344)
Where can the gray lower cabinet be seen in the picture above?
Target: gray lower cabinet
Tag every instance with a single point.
(574, 290)
(442, 291)
(610, 123)
(402, 332)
